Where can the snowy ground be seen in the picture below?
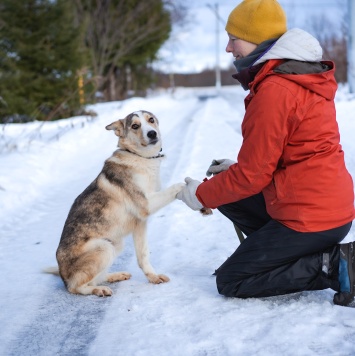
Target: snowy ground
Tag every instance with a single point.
(43, 169)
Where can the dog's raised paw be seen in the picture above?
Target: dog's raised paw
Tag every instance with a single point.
(157, 278)
(178, 187)
(102, 291)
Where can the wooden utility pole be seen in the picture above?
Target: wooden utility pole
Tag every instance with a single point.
(218, 68)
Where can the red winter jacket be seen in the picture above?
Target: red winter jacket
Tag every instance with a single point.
(290, 152)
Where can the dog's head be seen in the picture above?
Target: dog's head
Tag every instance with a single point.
(138, 133)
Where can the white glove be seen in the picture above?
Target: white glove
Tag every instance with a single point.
(188, 194)
(218, 166)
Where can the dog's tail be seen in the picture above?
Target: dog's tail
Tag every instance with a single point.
(51, 270)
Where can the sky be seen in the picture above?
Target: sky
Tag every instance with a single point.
(194, 47)
(43, 168)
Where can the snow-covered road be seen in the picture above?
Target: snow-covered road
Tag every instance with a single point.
(38, 183)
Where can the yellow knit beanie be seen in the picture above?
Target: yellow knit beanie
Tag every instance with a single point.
(257, 21)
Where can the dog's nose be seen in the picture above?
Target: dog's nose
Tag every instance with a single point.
(152, 134)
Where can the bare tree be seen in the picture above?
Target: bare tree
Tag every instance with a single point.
(116, 30)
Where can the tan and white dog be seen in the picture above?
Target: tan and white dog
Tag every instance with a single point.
(117, 203)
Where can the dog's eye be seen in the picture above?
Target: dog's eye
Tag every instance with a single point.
(135, 127)
(151, 120)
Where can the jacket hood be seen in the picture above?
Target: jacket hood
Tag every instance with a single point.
(295, 44)
(297, 56)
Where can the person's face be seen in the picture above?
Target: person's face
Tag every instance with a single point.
(239, 48)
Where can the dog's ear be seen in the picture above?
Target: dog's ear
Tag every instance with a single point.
(117, 126)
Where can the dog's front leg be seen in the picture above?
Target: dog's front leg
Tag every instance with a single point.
(158, 200)
(142, 253)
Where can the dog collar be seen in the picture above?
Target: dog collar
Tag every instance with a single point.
(159, 155)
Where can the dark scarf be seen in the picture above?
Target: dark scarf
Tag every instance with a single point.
(246, 70)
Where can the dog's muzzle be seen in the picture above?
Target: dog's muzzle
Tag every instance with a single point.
(153, 138)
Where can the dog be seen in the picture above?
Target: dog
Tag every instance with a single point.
(117, 203)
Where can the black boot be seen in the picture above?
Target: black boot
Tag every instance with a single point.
(346, 275)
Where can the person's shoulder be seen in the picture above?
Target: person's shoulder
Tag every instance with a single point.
(267, 73)
(274, 83)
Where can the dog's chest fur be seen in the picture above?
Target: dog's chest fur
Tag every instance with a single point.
(144, 173)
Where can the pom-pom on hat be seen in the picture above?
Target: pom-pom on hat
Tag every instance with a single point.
(256, 21)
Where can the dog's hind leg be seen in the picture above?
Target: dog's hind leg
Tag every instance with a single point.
(100, 291)
(90, 269)
(142, 253)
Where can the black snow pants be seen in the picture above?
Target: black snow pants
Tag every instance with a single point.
(274, 259)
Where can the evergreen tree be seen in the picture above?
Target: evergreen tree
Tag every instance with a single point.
(39, 59)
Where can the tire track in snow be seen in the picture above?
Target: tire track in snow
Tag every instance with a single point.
(64, 325)
(207, 128)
